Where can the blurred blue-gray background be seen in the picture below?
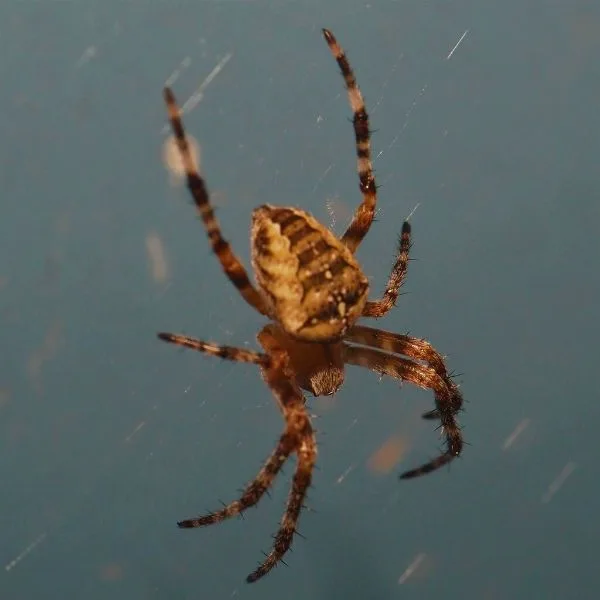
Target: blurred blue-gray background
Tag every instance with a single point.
(108, 436)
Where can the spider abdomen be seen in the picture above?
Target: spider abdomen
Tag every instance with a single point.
(314, 285)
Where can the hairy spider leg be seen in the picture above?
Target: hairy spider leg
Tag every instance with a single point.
(424, 377)
(229, 261)
(292, 404)
(225, 352)
(378, 308)
(298, 437)
(363, 216)
(415, 348)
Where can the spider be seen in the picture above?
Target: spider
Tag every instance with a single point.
(312, 289)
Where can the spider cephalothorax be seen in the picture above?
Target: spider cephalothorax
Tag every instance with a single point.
(312, 289)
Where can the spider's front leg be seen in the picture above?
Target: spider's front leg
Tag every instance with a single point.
(230, 263)
(364, 214)
(379, 308)
(424, 377)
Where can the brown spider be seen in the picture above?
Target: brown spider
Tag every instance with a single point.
(313, 290)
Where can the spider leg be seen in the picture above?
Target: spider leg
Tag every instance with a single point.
(229, 261)
(426, 378)
(287, 442)
(363, 217)
(225, 352)
(378, 308)
(412, 347)
(292, 404)
(307, 455)
(254, 491)
(297, 437)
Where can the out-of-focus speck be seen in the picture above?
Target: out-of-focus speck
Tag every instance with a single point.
(15, 561)
(344, 474)
(4, 398)
(247, 408)
(51, 269)
(322, 177)
(158, 259)
(43, 353)
(111, 572)
(412, 568)
(172, 158)
(406, 121)
(89, 53)
(135, 430)
(462, 37)
(352, 425)
(518, 430)
(388, 455)
(413, 211)
(558, 482)
(198, 95)
(174, 76)
(63, 224)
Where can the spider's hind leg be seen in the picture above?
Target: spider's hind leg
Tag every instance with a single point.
(254, 491)
(307, 456)
(414, 348)
(297, 437)
(225, 352)
(298, 425)
(423, 376)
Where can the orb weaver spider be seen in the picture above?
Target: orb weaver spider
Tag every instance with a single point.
(313, 290)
